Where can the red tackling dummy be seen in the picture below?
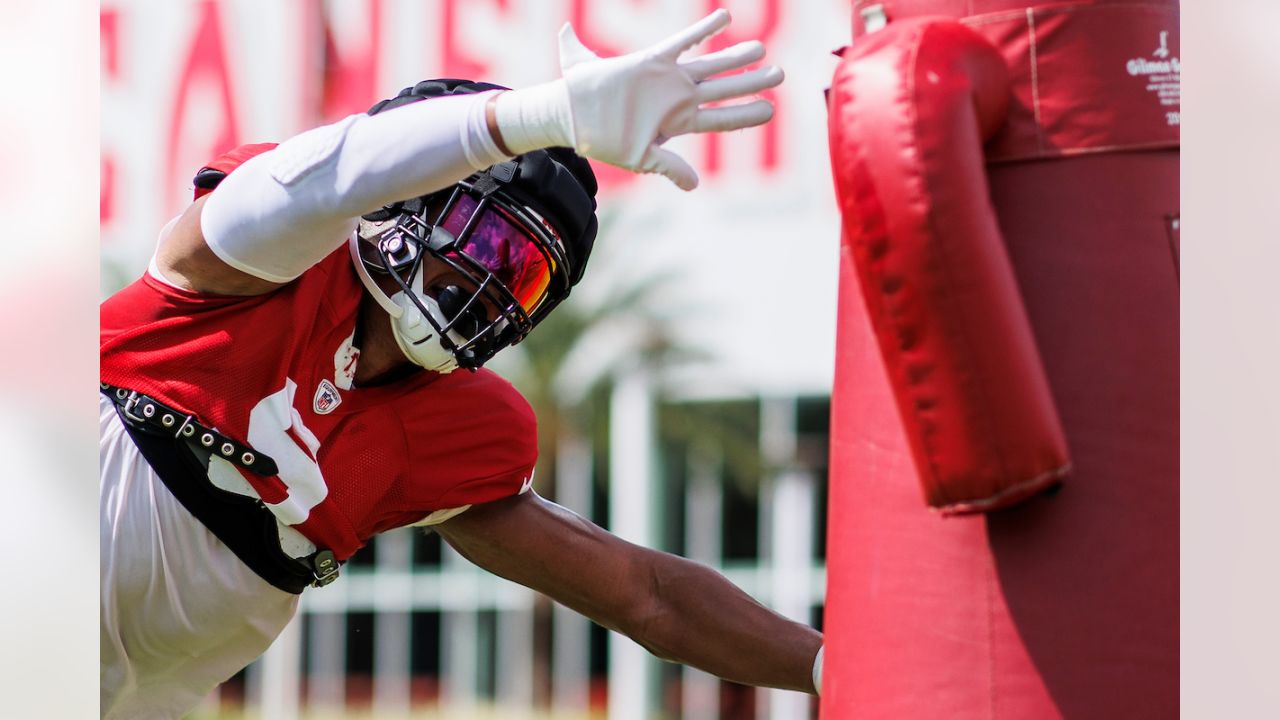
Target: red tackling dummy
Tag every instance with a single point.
(1063, 223)
(911, 106)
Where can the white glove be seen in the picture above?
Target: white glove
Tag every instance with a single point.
(621, 109)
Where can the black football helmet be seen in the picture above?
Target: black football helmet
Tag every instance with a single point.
(507, 243)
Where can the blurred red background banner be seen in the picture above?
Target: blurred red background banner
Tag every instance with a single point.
(185, 81)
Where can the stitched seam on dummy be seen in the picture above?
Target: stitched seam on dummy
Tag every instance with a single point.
(1022, 486)
(912, 127)
(1048, 154)
(980, 382)
(1035, 77)
(1006, 16)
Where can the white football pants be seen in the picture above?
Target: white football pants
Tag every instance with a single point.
(180, 612)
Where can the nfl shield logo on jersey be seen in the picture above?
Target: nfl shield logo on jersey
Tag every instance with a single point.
(327, 398)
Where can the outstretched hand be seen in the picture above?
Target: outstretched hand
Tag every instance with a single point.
(620, 110)
(624, 108)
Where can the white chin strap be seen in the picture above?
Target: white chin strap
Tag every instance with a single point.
(413, 332)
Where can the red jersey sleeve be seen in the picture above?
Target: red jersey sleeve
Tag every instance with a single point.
(486, 446)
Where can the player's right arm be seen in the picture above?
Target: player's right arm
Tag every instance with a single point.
(677, 609)
(286, 209)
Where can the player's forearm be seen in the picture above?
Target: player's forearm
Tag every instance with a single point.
(678, 609)
(699, 618)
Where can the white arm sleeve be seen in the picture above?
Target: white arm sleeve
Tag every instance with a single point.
(283, 211)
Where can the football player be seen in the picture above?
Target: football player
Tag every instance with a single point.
(301, 368)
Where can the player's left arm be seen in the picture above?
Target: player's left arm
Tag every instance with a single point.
(677, 609)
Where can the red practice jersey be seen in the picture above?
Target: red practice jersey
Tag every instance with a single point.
(275, 371)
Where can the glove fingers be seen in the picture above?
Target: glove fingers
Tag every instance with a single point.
(692, 35)
(730, 58)
(738, 85)
(733, 117)
(572, 51)
(671, 166)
